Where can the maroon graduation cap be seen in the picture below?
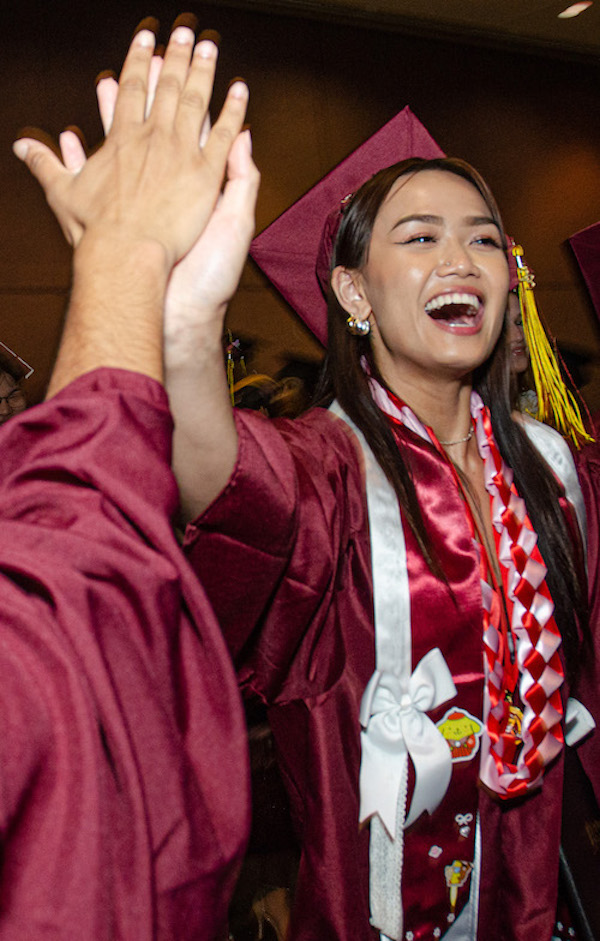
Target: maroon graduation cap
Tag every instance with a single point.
(288, 249)
(586, 246)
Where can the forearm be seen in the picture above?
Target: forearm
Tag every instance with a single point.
(205, 438)
(115, 313)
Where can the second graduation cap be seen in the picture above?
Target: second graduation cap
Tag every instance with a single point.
(586, 246)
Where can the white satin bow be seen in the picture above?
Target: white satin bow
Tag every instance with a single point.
(578, 721)
(395, 726)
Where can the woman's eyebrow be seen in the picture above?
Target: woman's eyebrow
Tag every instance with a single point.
(481, 220)
(468, 221)
(418, 217)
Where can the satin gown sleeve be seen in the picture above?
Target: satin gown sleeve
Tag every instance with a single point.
(284, 556)
(288, 532)
(123, 773)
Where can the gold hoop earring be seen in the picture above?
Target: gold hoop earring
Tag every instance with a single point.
(358, 328)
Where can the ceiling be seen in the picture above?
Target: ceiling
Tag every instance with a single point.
(532, 24)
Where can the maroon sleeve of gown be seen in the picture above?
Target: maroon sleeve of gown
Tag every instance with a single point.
(271, 548)
(123, 771)
(587, 689)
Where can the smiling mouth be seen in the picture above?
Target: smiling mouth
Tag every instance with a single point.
(457, 309)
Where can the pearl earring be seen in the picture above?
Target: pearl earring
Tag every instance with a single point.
(358, 328)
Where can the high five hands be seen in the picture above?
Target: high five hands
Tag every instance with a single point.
(159, 174)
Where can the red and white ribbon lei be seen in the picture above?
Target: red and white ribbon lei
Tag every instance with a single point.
(540, 670)
(537, 669)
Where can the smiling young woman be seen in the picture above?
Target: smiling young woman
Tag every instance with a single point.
(436, 275)
(409, 593)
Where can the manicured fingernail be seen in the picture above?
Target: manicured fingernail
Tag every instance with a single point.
(183, 36)
(145, 38)
(150, 23)
(238, 88)
(186, 19)
(206, 49)
(103, 76)
(211, 34)
(20, 149)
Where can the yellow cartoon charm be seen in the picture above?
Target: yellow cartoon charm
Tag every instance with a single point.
(456, 876)
(462, 731)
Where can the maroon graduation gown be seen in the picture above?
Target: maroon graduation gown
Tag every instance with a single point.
(284, 555)
(123, 773)
(588, 685)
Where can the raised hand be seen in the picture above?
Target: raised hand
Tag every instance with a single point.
(162, 106)
(204, 281)
(150, 180)
(140, 202)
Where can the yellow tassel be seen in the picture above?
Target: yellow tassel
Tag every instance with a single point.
(234, 346)
(230, 368)
(557, 406)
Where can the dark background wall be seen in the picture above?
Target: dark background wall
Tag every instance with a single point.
(318, 89)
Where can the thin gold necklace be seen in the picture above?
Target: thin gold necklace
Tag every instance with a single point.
(468, 437)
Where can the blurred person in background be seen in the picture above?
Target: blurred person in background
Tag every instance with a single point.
(13, 371)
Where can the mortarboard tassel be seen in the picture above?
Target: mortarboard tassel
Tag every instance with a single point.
(557, 406)
(234, 346)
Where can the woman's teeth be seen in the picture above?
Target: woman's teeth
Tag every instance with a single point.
(458, 307)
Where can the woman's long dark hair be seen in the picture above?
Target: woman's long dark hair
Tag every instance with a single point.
(344, 378)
